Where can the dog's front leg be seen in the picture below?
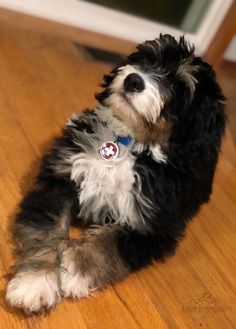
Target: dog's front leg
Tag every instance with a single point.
(42, 232)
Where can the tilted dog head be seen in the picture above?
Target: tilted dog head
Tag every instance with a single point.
(164, 92)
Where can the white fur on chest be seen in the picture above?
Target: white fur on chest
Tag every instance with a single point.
(109, 189)
(106, 188)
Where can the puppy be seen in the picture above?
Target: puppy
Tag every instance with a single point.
(135, 170)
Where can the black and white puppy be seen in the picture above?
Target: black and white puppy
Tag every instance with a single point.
(134, 170)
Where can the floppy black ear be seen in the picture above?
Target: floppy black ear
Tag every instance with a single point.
(209, 99)
(203, 119)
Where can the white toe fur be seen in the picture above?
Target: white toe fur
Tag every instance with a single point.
(33, 291)
(73, 283)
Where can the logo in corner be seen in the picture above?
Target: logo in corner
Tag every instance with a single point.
(206, 303)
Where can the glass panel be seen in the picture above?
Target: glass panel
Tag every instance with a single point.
(184, 14)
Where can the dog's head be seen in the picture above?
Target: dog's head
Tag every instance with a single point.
(164, 92)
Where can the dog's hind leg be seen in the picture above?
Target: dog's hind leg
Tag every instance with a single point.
(41, 230)
(106, 254)
(92, 262)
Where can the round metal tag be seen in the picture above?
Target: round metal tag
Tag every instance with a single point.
(109, 150)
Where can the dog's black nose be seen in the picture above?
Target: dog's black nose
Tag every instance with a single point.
(134, 83)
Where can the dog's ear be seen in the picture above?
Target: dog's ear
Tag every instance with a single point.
(202, 115)
(208, 104)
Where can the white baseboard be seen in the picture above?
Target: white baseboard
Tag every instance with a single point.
(107, 21)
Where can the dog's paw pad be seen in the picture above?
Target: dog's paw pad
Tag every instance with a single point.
(33, 291)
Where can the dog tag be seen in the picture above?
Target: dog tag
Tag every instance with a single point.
(109, 151)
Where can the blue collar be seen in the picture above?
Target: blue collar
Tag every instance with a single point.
(124, 140)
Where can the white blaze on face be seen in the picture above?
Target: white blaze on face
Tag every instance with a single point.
(147, 103)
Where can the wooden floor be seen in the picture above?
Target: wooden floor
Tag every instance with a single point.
(43, 79)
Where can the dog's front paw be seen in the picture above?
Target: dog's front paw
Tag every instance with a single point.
(73, 282)
(33, 291)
